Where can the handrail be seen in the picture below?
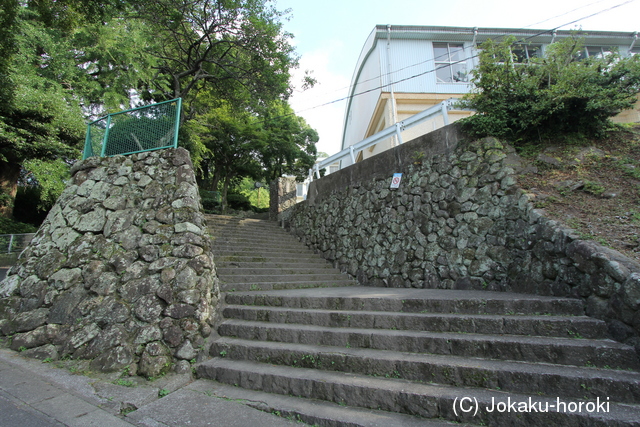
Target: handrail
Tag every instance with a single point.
(440, 109)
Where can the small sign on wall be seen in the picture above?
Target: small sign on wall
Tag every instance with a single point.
(395, 181)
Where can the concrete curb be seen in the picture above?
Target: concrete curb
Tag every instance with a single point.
(33, 393)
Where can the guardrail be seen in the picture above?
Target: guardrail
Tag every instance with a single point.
(12, 243)
(440, 109)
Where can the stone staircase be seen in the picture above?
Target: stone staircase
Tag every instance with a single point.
(253, 254)
(358, 356)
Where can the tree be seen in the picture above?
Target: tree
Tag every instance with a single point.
(8, 13)
(558, 95)
(236, 50)
(52, 70)
(63, 60)
(227, 143)
(42, 124)
(290, 143)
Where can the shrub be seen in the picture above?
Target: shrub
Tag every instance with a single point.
(558, 94)
(9, 226)
(238, 202)
(210, 201)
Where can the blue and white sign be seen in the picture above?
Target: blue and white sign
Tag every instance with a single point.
(395, 182)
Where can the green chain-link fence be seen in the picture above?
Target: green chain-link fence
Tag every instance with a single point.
(152, 127)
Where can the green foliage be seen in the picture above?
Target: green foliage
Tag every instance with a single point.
(594, 188)
(230, 61)
(225, 143)
(290, 143)
(552, 96)
(238, 202)
(237, 50)
(26, 205)
(258, 195)
(50, 177)
(210, 201)
(8, 13)
(9, 226)
(125, 382)
(229, 143)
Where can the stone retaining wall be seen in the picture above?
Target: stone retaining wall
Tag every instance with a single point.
(459, 221)
(121, 271)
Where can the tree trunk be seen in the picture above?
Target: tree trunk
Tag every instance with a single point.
(9, 174)
(216, 178)
(223, 198)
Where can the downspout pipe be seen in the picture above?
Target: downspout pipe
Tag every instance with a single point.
(394, 111)
(635, 39)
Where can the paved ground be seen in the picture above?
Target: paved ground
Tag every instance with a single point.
(37, 394)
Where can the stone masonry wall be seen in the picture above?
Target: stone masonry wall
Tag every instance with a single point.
(121, 271)
(459, 221)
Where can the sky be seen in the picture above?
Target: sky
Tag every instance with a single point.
(329, 36)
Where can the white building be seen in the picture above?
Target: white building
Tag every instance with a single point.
(404, 70)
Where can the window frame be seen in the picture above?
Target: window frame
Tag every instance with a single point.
(448, 63)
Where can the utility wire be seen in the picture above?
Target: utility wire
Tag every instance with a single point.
(460, 61)
(566, 13)
(436, 59)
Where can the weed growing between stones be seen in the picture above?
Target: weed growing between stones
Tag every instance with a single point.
(574, 334)
(125, 382)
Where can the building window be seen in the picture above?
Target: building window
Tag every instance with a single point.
(523, 53)
(451, 64)
(593, 52)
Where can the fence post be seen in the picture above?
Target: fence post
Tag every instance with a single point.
(399, 133)
(177, 124)
(445, 112)
(87, 143)
(106, 137)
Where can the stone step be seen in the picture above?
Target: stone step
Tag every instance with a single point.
(274, 286)
(284, 251)
(412, 301)
(242, 224)
(556, 326)
(301, 258)
(276, 263)
(424, 400)
(274, 271)
(235, 236)
(562, 351)
(550, 380)
(284, 278)
(264, 271)
(314, 412)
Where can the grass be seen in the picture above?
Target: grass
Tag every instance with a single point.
(605, 208)
(124, 382)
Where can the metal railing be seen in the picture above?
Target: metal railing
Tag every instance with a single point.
(352, 151)
(152, 127)
(12, 243)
